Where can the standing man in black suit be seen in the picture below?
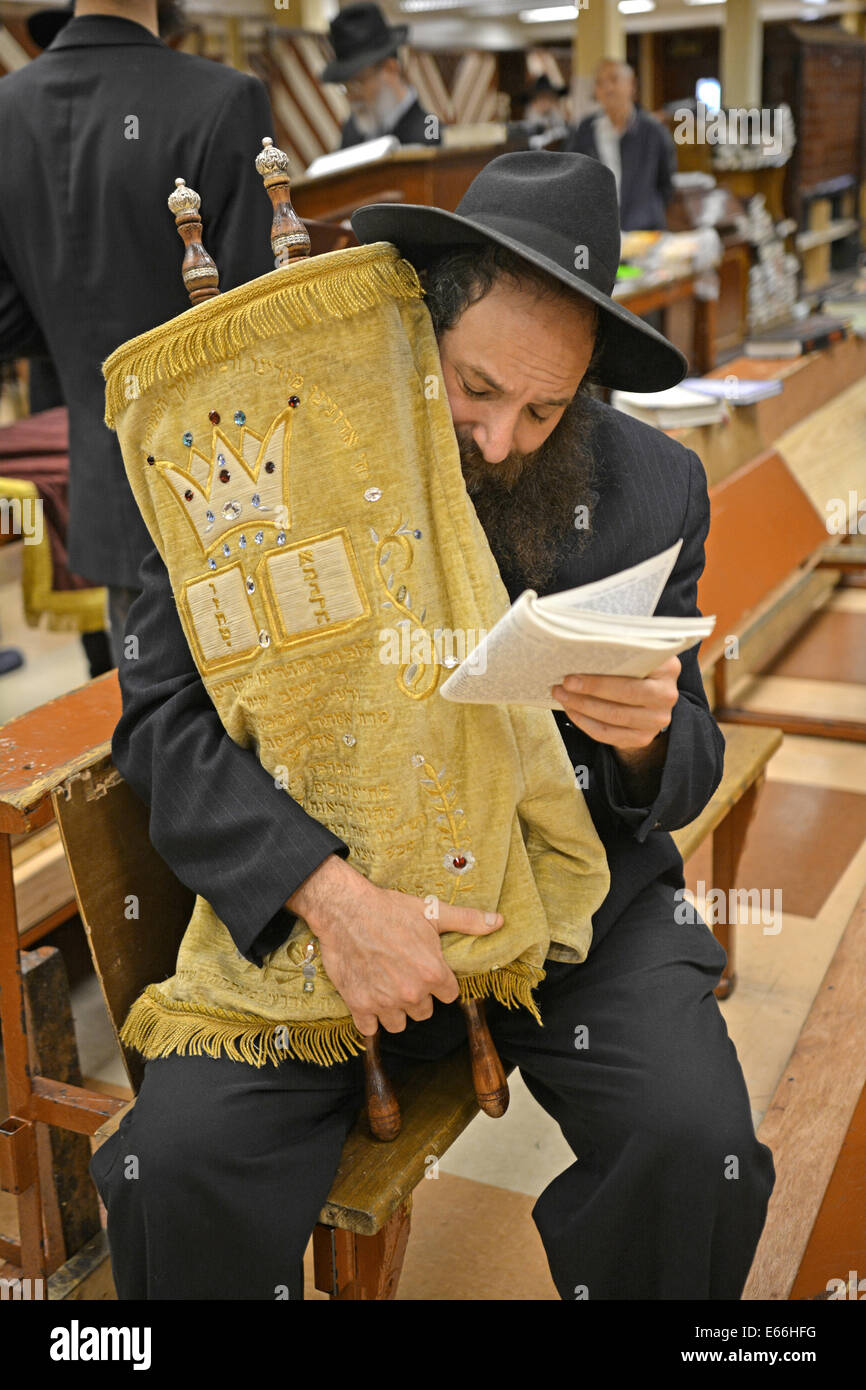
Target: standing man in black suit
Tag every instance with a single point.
(95, 131)
(655, 1106)
(366, 63)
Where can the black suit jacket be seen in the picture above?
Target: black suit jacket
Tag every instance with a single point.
(89, 252)
(411, 129)
(648, 160)
(234, 837)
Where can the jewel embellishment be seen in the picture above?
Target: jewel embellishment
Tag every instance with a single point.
(240, 417)
(187, 439)
(225, 475)
(281, 538)
(151, 459)
(372, 494)
(231, 510)
(417, 759)
(459, 861)
(270, 466)
(212, 563)
(294, 402)
(259, 537)
(189, 494)
(227, 550)
(349, 740)
(308, 969)
(256, 500)
(242, 542)
(264, 639)
(214, 417)
(251, 586)
(209, 515)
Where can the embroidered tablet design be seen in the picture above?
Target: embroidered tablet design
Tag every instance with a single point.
(313, 588)
(220, 618)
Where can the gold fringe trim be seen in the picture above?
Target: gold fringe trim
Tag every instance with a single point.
(156, 1026)
(336, 285)
(511, 985)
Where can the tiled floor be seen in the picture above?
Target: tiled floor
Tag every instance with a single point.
(473, 1237)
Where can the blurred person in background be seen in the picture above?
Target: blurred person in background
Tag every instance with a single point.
(634, 145)
(365, 63)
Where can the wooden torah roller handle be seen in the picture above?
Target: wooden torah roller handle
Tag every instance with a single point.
(382, 1108)
(488, 1073)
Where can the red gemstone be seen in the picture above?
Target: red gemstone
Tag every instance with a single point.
(270, 466)
(188, 494)
(459, 862)
(214, 417)
(294, 402)
(224, 475)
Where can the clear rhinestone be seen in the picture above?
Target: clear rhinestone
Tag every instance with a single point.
(281, 538)
(417, 759)
(221, 458)
(349, 740)
(212, 563)
(227, 550)
(451, 661)
(251, 586)
(259, 537)
(264, 638)
(209, 516)
(231, 510)
(372, 494)
(242, 542)
(187, 439)
(256, 500)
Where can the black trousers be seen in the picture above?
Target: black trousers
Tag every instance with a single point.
(215, 1179)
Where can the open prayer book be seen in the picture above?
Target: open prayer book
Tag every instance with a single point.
(605, 628)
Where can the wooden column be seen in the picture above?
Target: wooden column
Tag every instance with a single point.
(598, 33)
(646, 71)
(742, 51)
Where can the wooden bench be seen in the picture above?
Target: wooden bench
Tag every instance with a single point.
(364, 1224)
(764, 582)
(816, 1128)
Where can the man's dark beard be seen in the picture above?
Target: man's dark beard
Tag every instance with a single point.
(527, 503)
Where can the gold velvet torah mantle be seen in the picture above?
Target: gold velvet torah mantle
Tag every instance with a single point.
(291, 448)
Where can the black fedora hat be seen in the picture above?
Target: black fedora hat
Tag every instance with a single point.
(543, 87)
(559, 211)
(360, 37)
(44, 26)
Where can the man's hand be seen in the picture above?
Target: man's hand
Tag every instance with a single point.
(381, 948)
(627, 712)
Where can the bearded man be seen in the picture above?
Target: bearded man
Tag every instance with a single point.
(235, 1161)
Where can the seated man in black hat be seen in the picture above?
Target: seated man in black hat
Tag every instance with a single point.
(668, 1193)
(366, 63)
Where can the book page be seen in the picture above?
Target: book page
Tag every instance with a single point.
(635, 591)
(519, 661)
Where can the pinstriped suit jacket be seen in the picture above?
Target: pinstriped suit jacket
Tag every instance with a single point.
(231, 835)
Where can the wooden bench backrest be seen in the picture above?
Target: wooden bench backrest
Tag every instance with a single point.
(762, 528)
(134, 909)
